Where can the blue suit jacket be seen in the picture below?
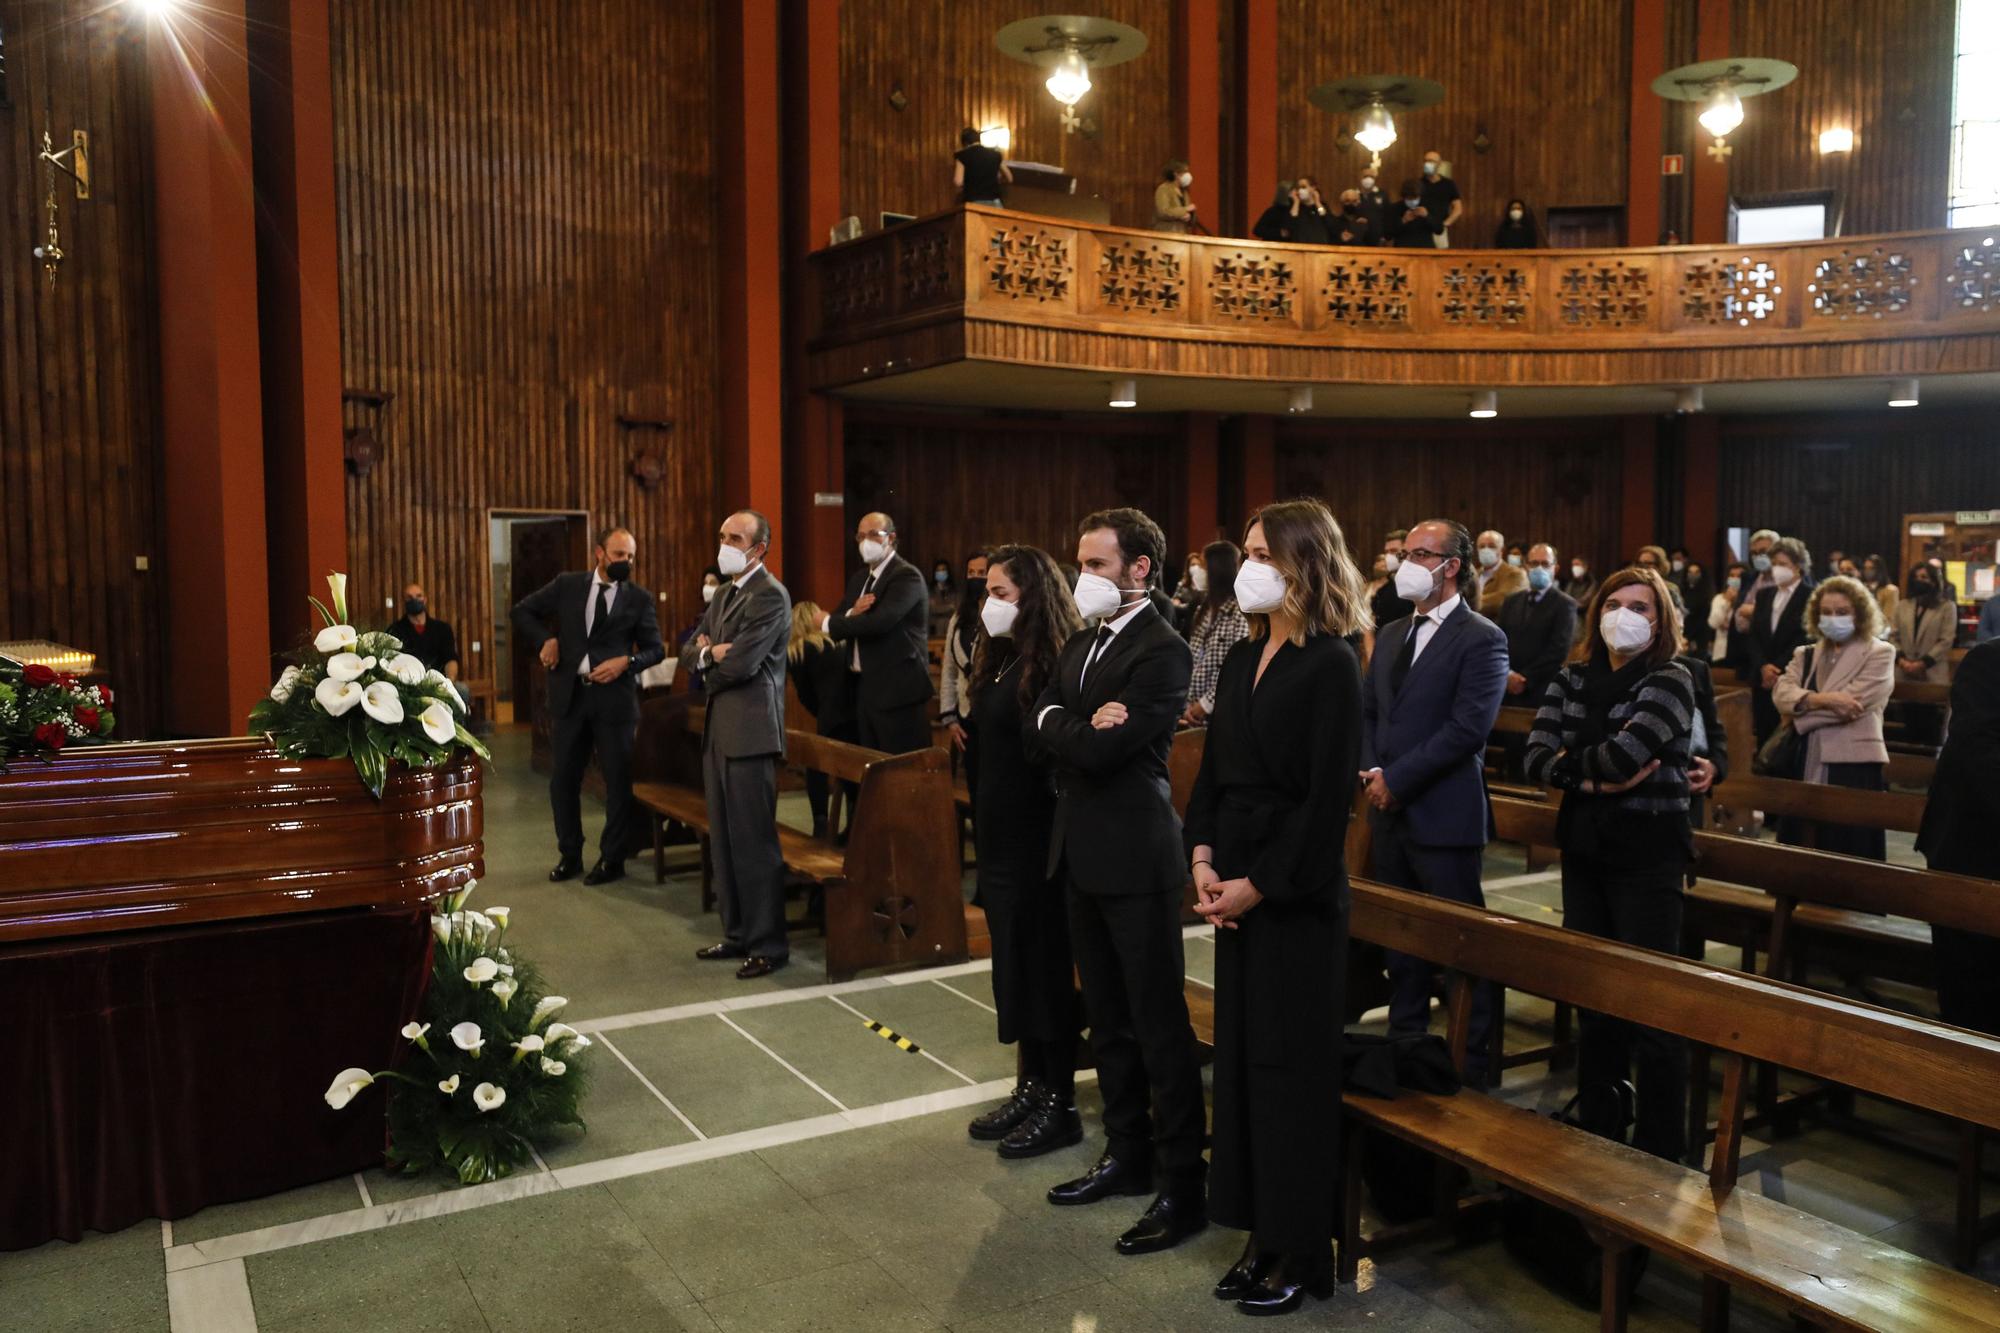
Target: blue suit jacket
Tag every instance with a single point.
(1430, 740)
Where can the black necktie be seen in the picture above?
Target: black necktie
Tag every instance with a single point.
(1104, 636)
(599, 642)
(729, 597)
(1399, 671)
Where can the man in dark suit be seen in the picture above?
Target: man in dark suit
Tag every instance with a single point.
(739, 648)
(1432, 695)
(1540, 624)
(1107, 722)
(597, 632)
(885, 618)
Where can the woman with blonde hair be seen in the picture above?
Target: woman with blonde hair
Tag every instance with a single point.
(826, 688)
(1835, 690)
(1264, 837)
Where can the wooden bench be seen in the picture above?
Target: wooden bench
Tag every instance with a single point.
(891, 898)
(1820, 1273)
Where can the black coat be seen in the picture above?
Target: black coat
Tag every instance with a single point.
(1272, 801)
(1704, 702)
(1767, 644)
(1115, 822)
(1957, 836)
(825, 686)
(1539, 637)
(556, 610)
(893, 634)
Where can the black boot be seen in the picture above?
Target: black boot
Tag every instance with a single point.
(1052, 1124)
(1000, 1121)
(1284, 1288)
(1250, 1269)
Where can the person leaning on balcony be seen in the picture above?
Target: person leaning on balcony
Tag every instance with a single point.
(1173, 209)
(978, 171)
(1275, 222)
(1353, 225)
(1411, 226)
(1517, 230)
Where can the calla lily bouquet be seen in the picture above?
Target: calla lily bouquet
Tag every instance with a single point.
(490, 1069)
(357, 695)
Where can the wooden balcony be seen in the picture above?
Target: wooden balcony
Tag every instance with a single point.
(988, 285)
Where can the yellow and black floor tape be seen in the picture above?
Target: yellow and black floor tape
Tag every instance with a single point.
(895, 1038)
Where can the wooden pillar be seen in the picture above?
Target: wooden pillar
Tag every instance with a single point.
(1701, 483)
(1645, 121)
(1200, 454)
(1640, 485)
(752, 252)
(298, 297)
(815, 462)
(213, 561)
(1254, 122)
(1196, 96)
(1710, 223)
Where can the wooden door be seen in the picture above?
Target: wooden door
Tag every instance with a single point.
(538, 549)
(1574, 228)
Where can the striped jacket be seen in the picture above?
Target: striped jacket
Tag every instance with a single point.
(1652, 722)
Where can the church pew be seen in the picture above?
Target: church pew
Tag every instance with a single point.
(891, 897)
(1820, 1273)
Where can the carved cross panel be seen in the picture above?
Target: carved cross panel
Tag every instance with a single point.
(1868, 284)
(929, 267)
(1139, 277)
(855, 288)
(1725, 291)
(1599, 295)
(1366, 293)
(1255, 287)
(1495, 294)
(1028, 265)
(1974, 284)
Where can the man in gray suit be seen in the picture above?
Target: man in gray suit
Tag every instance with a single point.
(740, 650)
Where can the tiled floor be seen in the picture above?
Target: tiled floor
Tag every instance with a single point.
(758, 1159)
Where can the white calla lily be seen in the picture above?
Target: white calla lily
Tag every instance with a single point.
(438, 723)
(287, 680)
(381, 702)
(348, 666)
(481, 970)
(449, 1086)
(550, 1006)
(415, 1032)
(441, 927)
(504, 988)
(499, 918)
(338, 697)
(468, 1038)
(346, 1084)
(554, 1068)
(335, 639)
(557, 1031)
(487, 1097)
(405, 668)
(336, 583)
(579, 1042)
(526, 1047)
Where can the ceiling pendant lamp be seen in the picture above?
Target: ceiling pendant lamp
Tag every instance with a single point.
(1069, 47)
(1070, 81)
(1378, 128)
(1366, 101)
(1721, 113)
(1719, 87)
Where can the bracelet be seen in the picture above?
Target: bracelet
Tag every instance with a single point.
(1209, 864)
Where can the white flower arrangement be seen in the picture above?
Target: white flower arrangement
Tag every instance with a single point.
(357, 695)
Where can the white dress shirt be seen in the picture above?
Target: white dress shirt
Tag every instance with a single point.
(1780, 599)
(1099, 646)
(867, 586)
(1428, 623)
(597, 583)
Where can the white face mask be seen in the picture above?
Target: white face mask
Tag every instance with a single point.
(1782, 575)
(873, 552)
(1198, 578)
(1488, 557)
(998, 617)
(1430, 168)
(1625, 631)
(731, 561)
(707, 593)
(1577, 571)
(1514, 560)
(1514, 215)
(1367, 182)
(1413, 582)
(1837, 629)
(1096, 596)
(1187, 179)
(1679, 565)
(1389, 562)
(1260, 588)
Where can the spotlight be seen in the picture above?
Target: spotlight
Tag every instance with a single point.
(997, 137)
(1836, 141)
(1903, 392)
(1485, 403)
(1688, 399)
(1124, 393)
(1301, 399)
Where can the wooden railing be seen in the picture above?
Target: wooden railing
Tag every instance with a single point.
(988, 284)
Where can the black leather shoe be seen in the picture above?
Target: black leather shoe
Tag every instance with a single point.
(999, 1122)
(1250, 1270)
(604, 874)
(754, 967)
(715, 951)
(1110, 1178)
(567, 868)
(1284, 1288)
(1052, 1124)
(1171, 1220)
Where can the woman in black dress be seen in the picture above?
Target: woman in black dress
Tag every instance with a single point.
(1265, 833)
(1027, 618)
(818, 667)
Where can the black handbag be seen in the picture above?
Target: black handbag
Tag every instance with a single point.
(1783, 754)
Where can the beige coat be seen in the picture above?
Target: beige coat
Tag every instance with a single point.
(1865, 669)
(1506, 581)
(1171, 207)
(1926, 631)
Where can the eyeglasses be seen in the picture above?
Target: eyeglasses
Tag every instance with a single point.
(1419, 553)
(873, 532)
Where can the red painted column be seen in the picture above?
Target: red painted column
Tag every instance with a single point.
(1710, 225)
(748, 50)
(1197, 96)
(1647, 116)
(1200, 458)
(1254, 125)
(1260, 463)
(213, 562)
(1641, 489)
(1701, 485)
(815, 465)
(298, 284)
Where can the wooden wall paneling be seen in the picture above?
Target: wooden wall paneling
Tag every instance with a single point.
(79, 444)
(944, 59)
(1559, 481)
(526, 257)
(1546, 80)
(1882, 68)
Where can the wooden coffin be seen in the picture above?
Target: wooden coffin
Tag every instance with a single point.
(123, 837)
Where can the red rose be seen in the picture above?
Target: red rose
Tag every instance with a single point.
(37, 675)
(51, 735)
(87, 718)
(105, 692)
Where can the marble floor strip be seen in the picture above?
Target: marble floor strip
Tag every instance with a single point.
(214, 1298)
(650, 1086)
(838, 1104)
(921, 1050)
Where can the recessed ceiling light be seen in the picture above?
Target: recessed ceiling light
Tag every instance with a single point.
(1688, 399)
(1485, 403)
(1903, 393)
(1124, 393)
(1301, 399)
